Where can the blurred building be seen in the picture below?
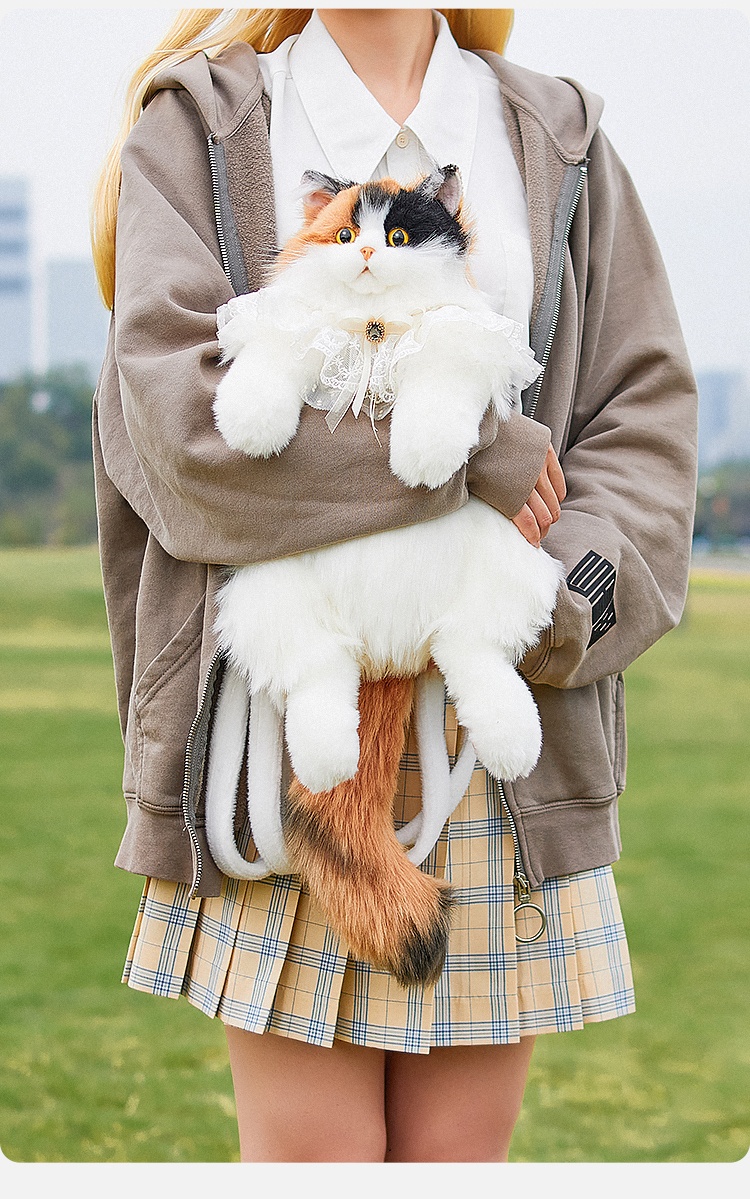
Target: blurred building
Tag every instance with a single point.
(76, 318)
(723, 417)
(15, 279)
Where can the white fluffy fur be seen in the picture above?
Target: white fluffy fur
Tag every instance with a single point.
(466, 590)
(442, 391)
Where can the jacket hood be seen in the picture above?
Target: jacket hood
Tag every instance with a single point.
(224, 89)
(227, 87)
(567, 111)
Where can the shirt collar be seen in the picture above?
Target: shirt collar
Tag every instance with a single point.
(444, 120)
(353, 130)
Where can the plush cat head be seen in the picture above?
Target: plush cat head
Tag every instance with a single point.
(371, 237)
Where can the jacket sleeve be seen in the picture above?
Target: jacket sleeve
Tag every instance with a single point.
(503, 474)
(630, 463)
(202, 500)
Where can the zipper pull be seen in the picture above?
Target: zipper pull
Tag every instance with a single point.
(522, 893)
(521, 888)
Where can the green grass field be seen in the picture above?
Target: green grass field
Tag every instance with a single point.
(92, 1071)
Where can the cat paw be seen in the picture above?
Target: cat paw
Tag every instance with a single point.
(428, 445)
(425, 466)
(320, 768)
(509, 750)
(256, 420)
(321, 757)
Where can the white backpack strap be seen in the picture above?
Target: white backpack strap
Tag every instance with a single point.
(265, 749)
(225, 753)
(442, 788)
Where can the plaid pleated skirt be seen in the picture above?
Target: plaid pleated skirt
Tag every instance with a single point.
(260, 956)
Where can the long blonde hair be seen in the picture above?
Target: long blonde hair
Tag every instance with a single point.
(212, 30)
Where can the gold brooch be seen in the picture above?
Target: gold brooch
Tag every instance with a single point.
(375, 332)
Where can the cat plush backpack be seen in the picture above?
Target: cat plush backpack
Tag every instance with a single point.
(371, 308)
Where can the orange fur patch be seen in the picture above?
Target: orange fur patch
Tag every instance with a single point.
(389, 185)
(323, 228)
(343, 844)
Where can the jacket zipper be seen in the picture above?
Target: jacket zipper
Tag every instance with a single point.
(189, 786)
(557, 264)
(521, 884)
(234, 269)
(563, 221)
(213, 162)
(226, 231)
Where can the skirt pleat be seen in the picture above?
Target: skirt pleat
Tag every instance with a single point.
(260, 956)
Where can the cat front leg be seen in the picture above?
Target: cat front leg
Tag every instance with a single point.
(493, 703)
(259, 400)
(442, 393)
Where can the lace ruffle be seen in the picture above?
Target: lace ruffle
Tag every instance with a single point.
(354, 368)
(344, 361)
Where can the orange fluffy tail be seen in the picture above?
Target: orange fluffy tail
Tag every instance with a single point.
(343, 844)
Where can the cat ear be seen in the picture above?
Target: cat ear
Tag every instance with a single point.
(317, 190)
(444, 184)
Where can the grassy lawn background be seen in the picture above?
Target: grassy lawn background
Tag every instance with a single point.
(93, 1071)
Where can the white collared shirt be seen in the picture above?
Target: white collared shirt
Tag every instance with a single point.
(323, 118)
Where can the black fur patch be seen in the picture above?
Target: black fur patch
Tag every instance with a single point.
(298, 821)
(423, 217)
(325, 183)
(422, 958)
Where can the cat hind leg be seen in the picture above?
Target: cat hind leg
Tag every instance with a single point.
(272, 621)
(321, 723)
(493, 703)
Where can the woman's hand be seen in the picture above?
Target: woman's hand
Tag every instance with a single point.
(542, 508)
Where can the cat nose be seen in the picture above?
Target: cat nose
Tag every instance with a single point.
(367, 252)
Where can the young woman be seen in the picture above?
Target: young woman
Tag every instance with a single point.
(331, 1059)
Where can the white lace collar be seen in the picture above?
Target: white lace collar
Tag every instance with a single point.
(359, 357)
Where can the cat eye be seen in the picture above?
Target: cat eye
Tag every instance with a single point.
(345, 235)
(398, 237)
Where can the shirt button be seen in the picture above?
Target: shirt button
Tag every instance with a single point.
(402, 139)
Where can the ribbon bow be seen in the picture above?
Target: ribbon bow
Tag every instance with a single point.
(373, 333)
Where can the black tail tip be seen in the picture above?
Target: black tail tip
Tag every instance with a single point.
(422, 957)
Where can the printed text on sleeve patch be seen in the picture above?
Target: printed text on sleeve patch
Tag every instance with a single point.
(594, 577)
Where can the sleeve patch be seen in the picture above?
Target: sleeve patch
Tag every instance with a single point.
(594, 577)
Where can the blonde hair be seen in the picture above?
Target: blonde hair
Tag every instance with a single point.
(211, 30)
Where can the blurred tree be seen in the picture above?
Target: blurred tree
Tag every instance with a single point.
(722, 514)
(46, 477)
